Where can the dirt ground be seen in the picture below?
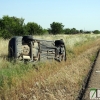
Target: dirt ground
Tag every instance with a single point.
(94, 83)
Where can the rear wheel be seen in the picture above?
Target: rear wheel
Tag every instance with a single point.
(61, 50)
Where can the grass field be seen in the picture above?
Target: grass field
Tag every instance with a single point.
(50, 80)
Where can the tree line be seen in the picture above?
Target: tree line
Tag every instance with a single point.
(13, 26)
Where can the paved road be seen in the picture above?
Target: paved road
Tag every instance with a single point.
(94, 83)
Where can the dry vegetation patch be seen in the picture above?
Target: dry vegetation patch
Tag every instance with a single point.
(50, 80)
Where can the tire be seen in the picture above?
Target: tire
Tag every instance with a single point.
(27, 38)
(15, 47)
(60, 43)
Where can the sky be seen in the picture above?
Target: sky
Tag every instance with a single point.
(79, 14)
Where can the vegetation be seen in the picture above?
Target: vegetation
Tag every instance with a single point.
(96, 31)
(50, 80)
(71, 31)
(10, 26)
(33, 29)
(13, 26)
(56, 28)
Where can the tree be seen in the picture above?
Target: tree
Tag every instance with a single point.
(87, 32)
(56, 28)
(49, 31)
(96, 32)
(81, 31)
(73, 31)
(45, 31)
(67, 31)
(33, 29)
(10, 26)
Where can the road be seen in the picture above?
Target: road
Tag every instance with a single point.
(94, 83)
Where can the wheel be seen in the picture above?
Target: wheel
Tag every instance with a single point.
(59, 42)
(27, 38)
(15, 47)
(61, 50)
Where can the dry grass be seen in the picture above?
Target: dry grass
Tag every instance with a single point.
(50, 80)
(3, 47)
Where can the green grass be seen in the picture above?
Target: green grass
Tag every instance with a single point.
(49, 74)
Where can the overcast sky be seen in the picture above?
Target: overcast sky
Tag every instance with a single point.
(80, 14)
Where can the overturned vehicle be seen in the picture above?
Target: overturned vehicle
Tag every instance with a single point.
(27, 48)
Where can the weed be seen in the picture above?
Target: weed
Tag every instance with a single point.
(50, 77)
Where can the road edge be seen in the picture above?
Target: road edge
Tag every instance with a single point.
(86, 80)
